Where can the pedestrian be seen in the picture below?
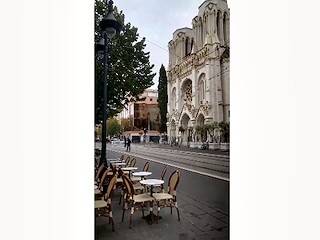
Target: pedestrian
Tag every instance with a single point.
(125, 142)
(128, 144)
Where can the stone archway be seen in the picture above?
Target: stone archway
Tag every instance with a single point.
(173, 133)
(185, 125)
(200, 128)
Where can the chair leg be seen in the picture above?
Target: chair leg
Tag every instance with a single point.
(178, 213)
(123, 210)
(130, 220)
(170, 209)
(121, 195)
(158, 211)
(112, 222)
(142, 211)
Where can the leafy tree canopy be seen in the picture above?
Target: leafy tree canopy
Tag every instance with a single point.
(130, 71)
(113, 127)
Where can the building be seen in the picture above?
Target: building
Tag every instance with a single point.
(198, 74)
(142, 115)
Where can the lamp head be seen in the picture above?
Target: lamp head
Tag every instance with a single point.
(109, 23)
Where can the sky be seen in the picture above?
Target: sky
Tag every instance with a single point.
(156, 20)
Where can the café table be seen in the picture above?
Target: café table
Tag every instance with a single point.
(151, 183)
(115, 161)
(141, 174)
(119, 164)
(129, 169)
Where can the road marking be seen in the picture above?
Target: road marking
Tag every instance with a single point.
(172, 165)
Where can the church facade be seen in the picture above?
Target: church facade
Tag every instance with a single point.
(198, 74)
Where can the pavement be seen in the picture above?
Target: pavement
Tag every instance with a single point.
(204, 210)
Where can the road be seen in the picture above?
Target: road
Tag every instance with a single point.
(208, 164)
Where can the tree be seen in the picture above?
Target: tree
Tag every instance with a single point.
(211, 128)
(126, 124)
(202, 131)
(130, 71)
(163, 98)
(114, 127)
(224, 131)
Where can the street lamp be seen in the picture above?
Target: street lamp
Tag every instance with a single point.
(109, 28)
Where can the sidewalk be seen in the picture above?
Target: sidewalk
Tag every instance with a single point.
(203, 211)
(196, 223)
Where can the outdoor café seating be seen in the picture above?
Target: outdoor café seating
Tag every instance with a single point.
(103, 206)
(162, 175)
(99, 188)
(145, 169)
(136, 192)
(132, 162)
(134, 201)
(169, 198)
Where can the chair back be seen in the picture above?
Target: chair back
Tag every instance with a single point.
(128, 160)
(146, 167)
(163, 173)
(173, 182)
(104, 175)
(132, 162)
(128, 185)
(100, 172)
(120, 172)
(97, 152)
(110, 187)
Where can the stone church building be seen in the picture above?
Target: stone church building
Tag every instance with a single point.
(198, 74)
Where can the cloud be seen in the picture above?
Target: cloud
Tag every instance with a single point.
(156, 20)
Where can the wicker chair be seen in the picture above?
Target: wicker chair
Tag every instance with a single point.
(103, 206)
(132, 162)
(169, 198)
(122, 157)
(100, 172)
(134, 200)
(146, 167)
(158, 189)
(100, 190)
(127, 160)
(163, 173)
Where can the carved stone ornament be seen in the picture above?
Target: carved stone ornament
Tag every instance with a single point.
(206, 108)
(193, 111)
(210, 6)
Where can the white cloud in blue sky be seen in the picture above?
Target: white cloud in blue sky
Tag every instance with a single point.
(156, 20)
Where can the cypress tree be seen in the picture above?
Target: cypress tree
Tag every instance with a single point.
(163, 98)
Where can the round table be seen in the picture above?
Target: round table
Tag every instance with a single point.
(152, 183)
(141, 174)
(129, 169)
(119, 164)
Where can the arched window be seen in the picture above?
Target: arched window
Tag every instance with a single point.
(201, 89)
(218, 25)
(188, 46)
(173, 99)
(201, 33)
(226, 37)
(187, 91)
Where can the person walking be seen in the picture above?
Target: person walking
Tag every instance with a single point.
(128, 144)
(125, 142)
